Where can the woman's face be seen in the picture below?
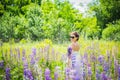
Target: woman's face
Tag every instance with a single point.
(73, 38)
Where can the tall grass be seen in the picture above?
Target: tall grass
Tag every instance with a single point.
(46, 58)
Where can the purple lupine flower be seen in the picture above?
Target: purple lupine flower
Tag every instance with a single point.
(56, 76)
(1, 64)
(25, 64)
(67, 72)
(93, 58)
(37, 59)
(116, 66)
(34, 51)
(77, 77)
(7, 71)
(85, 58)
(28, 74)
(23, 59)
(97, 75)
(116, 63)
(47, 74)
(106, 66)
(32, 62)
(75, 74)
(119, 73)
(57, 70)
(89, 70)
(83, 66)
(69, 51)
(101, 59)
(103, 76)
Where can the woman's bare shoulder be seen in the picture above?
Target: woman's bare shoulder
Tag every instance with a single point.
(75, 46)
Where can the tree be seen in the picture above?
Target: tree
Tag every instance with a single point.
(106, 11)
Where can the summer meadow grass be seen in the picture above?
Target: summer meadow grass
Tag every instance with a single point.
(100, 60)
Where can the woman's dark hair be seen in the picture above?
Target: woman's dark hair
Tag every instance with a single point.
(76, 35)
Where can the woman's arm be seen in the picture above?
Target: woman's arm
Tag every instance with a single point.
(68, 62)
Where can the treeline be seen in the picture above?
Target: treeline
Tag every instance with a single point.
(40, 19)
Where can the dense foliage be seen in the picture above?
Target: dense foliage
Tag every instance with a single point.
(39, 19)
(107, 14)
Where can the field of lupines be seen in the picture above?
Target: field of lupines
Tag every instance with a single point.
(100, 60)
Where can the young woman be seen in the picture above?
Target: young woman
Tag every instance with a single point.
(73, 55)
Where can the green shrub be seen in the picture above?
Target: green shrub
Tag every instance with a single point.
(112, 32)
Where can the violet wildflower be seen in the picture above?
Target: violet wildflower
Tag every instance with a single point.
(93, 58)
(47, 74)
(85, 58)
(106, 66)
(67, 73)
(101, 59)
(56, 73)
(116, 66)
(1, 64)
(34, 51)
(7, 71)
(119, 73)
(56, 76)
(97, 75)
(23, 59)
(28, 74)
(32, 61)
(103, 76)
(89, 70)
(77, 77)
(67, 70)
(83, 67)
(72, 73)
(25, 64)
(37, 59)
